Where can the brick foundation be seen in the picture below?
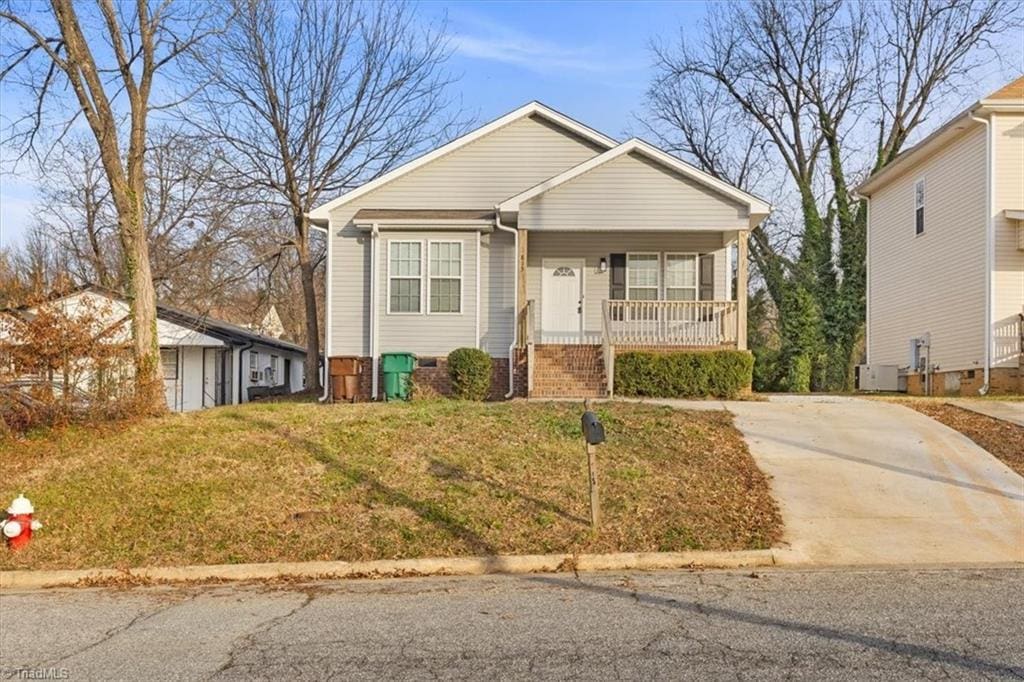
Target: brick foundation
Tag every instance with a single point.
(436, 378)
(560, 371)
(1002, 381)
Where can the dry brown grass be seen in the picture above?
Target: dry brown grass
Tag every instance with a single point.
(297, 482)
(1001, 438)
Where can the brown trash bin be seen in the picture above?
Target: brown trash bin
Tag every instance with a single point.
(337, 387)
(345, 373)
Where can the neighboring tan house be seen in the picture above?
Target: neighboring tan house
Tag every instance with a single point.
(945, 243)
(543, 242)
(270, 325)
(205, 362)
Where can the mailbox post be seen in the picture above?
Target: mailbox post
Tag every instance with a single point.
(593, 434)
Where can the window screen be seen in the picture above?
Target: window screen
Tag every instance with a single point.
(405, 270)
(642, 276)
(445, 277)
(680, 277)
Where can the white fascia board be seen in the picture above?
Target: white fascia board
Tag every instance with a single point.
(429, 224)
(756, 206)
(322, 212)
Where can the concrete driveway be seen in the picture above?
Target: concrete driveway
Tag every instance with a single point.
(869, 482)
(1007, 410)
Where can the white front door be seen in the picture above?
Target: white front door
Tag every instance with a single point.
(561, 300)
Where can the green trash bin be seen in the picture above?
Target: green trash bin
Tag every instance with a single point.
(397, 368)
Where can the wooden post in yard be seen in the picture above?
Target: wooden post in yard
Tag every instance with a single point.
(595, 505)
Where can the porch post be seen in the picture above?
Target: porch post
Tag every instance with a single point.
(741, 289)
(521, 264)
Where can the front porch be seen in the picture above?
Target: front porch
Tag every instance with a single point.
(583, 297)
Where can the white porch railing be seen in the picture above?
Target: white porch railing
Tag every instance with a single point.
(670, 323)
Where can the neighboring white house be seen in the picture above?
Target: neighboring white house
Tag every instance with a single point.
(945, 259)
(543, 242)
(205, 362)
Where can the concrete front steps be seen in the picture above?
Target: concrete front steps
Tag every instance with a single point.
(568, 371)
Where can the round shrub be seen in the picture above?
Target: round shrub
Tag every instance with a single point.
(469, 370)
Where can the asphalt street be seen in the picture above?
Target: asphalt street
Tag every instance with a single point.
(770, 624)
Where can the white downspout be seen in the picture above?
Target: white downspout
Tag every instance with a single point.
(515, 299)
(989, 247)
(374, 238)
(867, 280)
(479, 250)
(327, 317)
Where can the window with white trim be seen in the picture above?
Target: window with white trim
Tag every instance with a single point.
(681, 277)
(445, 284)
(273, 369)
(405, 277)
(643, 276)
(919, 207)
(254, 366)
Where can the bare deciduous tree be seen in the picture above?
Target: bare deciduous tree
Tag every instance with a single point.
(79, 220)
(109, 58)
(827, 90)
(309, 99)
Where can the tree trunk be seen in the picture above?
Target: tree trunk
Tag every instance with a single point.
(312, 369)
(141, 296)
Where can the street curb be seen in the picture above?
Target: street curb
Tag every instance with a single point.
(326, 570)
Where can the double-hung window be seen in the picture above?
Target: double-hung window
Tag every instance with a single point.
(643, 276)
(919, 207)
(681, 276)
(273, 369)
(254, 366)
(445, 284)
(405, 277)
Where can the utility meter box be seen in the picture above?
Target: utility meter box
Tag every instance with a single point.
(878, 377)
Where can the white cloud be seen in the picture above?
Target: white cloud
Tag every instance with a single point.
(492, 41)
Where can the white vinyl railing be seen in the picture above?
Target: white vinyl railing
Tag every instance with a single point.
(670, 323)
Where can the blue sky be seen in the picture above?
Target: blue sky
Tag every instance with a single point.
(588, 59)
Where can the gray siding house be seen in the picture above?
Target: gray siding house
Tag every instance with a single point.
(543, 242)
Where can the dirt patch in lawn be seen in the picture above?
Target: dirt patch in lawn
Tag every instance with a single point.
(1001, 438)
(299, 482)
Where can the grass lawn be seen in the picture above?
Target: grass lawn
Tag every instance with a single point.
(296, 482)
(1001, 438)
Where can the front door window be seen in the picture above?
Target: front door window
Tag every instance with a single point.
(562, 301)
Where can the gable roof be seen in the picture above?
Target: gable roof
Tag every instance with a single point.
(1012, 91)
(758, 208)
(534, 108)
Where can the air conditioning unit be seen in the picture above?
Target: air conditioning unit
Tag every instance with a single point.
(878, 378)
